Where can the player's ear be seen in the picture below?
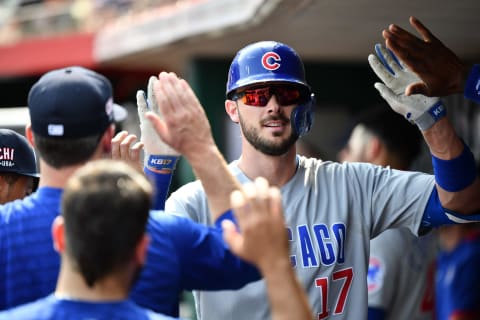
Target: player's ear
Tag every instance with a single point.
(374, 149)
(58, 234)
(141, 250)
(232, 110)
(29, 134)
(106, 140)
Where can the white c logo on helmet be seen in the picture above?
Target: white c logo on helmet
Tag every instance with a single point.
(270, 61)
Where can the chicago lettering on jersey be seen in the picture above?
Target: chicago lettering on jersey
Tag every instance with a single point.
(318, 244)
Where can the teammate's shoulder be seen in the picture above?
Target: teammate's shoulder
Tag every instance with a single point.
(42, 204)
(13, 209)
(39, 309)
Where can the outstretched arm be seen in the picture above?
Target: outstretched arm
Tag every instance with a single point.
(186, 129)
(262, 240)
(159, 158)
(457, 184)
(456, 162)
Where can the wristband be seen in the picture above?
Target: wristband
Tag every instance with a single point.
(159, 171)
(161, 185)
(472, 87)
(432, 115)
(455, 174)
(161, 163)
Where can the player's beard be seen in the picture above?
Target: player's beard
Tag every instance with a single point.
(270, 148)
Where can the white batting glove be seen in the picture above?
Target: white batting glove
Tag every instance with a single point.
(419, 109)
(153, 144)
(391, 70)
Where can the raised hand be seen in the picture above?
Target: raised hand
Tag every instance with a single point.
(440, 70)
(126, 147)
(154, 145)
(185, 128)
(184, 125)
(419, 109)
(262, 238)
(390, 70)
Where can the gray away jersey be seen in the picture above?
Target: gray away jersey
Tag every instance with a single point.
(331, 210)
(401, 277)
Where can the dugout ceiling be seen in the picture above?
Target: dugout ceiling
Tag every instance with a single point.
(320, 30)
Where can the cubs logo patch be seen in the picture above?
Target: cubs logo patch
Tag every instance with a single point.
(375, 274)
(271, 61)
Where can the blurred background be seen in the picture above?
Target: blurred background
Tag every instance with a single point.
(128, 41)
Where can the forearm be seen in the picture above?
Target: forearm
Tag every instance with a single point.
(442, 140)
(211, 169)
(445, 145)
(287, 298)
(159, 169)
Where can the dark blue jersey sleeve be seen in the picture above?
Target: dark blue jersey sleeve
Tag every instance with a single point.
(184, 255)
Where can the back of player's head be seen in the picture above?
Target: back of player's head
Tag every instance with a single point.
(70, 108)
(265, 62)
(105, 207)
(400, 137)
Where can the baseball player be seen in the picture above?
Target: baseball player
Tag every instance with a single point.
(18, 167)
(332, 210)
(71, 124)
(112, 197)
(442, 73)
(102, 200)
(400, 277)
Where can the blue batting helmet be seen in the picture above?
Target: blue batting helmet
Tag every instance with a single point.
(265, 61)
(272, 62)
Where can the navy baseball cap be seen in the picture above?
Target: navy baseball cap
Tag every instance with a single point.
(16, 154)
(72, 102)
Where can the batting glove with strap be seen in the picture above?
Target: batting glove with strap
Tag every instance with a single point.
(419, 109)
(159, 156)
